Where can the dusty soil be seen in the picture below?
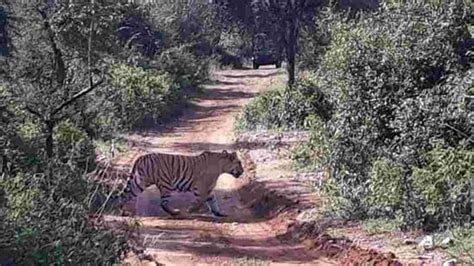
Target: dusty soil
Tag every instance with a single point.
(262, 206)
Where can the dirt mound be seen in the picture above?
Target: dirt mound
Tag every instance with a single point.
(340, 249)
(264, 203)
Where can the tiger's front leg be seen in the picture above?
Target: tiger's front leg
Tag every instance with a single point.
(211, 202)
(198, 204)
(165, 194)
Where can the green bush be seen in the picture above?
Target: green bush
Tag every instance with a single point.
(20, 198)
(73, 146)
(187, 69)
(278, 108)
(315, 95)
(23, 139)
(150, 91)
(397, 88)
(47, 222)
(336, 200)
(29, 130)
(135, 94)
(462, 248)
(385, 189)
(444, 185)
(312, 155)
(286, 108)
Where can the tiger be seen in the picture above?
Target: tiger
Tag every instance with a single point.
(169, 172)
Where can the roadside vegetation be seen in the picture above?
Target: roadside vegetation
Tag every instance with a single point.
(73, 77)
(387, 98)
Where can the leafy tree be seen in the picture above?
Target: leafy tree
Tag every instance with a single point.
(286, 17)
(57, 58)
(65, 77)
(238, 18)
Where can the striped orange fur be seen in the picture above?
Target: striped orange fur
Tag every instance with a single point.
(171, 172)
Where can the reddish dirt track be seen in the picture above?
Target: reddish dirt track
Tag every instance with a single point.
(253, 229)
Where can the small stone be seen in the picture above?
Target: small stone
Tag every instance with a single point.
(446, 241)
(427, 243)
(451, 262)
(409, 241)
(425, 257)
(146, 257)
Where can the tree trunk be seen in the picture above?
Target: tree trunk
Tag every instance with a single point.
(49, 139)
(290, 57)
(4, 165)
(292, 40)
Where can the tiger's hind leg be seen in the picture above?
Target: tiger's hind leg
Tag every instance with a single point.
(135, 186)
(211, 202)
(165, 194)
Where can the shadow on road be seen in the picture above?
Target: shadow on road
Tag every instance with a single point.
(210, 244)
(249, 75)
(225, 94)
(252, 203)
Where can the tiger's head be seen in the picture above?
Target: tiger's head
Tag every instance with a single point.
(231, 163)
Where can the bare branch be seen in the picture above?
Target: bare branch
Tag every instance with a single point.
(58, 57)
(36, 113)
(89, 45)
(77, 96)
(459, 132)
(92, 85)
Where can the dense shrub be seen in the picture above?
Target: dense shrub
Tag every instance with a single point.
(386, 186)
(187, 69)
(57, 98)
(444, 185)
(313, 155)
(233, 47)
(279, 108)
(286, 108)
(134, 95)
(397, 85)
(46, 222)
(143, 92)
(73, 146)
(44, 216)
(22, 141)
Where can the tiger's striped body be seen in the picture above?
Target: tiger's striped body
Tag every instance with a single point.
(170, 172)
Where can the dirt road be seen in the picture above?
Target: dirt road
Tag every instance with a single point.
(208, 125)
(249, 232)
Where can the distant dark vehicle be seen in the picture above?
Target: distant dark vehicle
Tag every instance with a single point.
(266, 51)
(266, 56)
